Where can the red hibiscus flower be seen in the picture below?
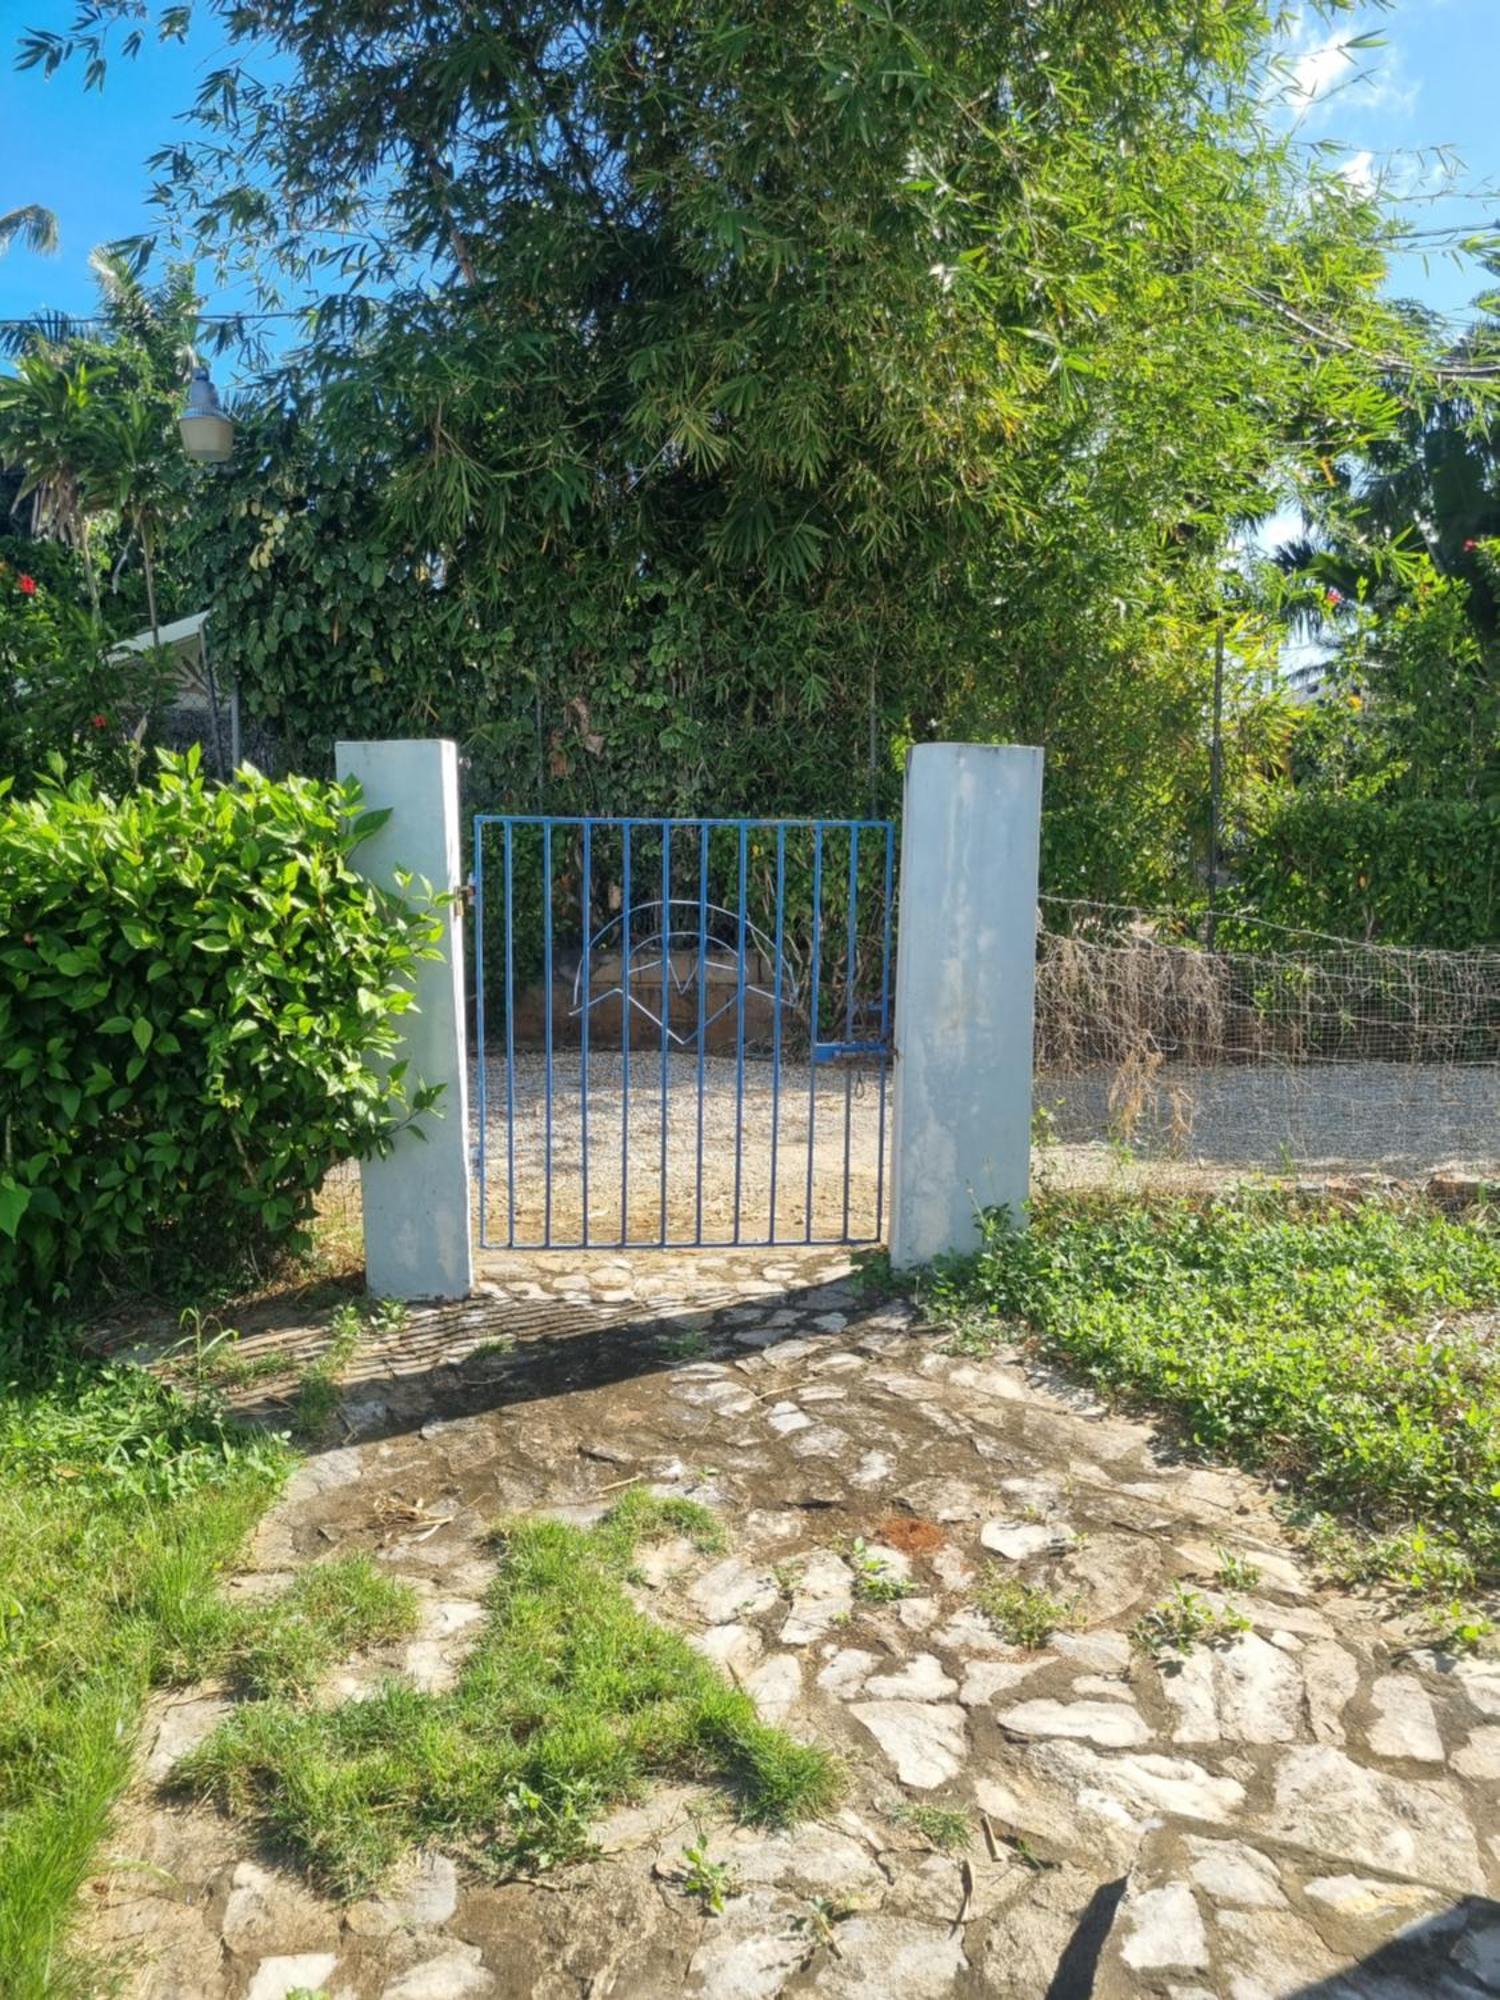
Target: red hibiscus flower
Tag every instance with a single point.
(100, 721)
(26, 585)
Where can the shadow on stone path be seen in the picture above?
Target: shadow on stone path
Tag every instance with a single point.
(1309, 1810)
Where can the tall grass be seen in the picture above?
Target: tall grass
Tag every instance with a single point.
(120, 1504)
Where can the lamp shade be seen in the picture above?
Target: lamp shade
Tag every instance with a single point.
(207, 429)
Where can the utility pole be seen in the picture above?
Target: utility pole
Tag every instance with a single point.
(1215, 783)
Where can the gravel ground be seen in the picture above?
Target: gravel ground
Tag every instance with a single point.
(1399, 1118)
(843, 1117)
(1196, 1128)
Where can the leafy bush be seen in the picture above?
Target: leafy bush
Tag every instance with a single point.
(1405, 871)
(60, 693)
(1329, 1347)
(193, 985)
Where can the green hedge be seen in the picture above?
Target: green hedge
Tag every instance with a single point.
(1407, 872)
(192, 984)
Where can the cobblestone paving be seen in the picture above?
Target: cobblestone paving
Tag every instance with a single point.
(1308, 1809)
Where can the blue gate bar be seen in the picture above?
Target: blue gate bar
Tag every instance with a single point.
(510, 1040)
(812, 1063)
(739, 1037)
(666, 1002)
(625, 1022)
(850, 969)
(583, 1081)
(885, 1030)
(702, 1011)
(547, 1017)
(776, 1021)
(660, 819)
(484, 1219)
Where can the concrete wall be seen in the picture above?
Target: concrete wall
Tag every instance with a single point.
(417, 1199)
(965, 973)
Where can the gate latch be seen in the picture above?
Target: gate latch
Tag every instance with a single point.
(849, 1052)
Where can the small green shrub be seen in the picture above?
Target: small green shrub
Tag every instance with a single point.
(1234, 1571)
(874, 1578)
(1183, 1620)
(1458, 1628)
(1024, 1614)
(193, 982)
(318, 1386)
(711, 1882)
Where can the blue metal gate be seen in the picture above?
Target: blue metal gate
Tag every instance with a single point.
(683, 1030)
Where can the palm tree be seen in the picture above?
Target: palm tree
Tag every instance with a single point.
(88, 421)
(34, 225)
(48, 425)
(133, 469)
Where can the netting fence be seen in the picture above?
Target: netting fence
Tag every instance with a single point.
(1164, 1063)
(1277, 1050)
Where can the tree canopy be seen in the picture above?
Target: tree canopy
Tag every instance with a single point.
(701, 403)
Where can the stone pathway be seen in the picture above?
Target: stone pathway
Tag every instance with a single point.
(1306, 1810)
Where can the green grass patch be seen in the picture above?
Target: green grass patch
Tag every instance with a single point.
(942, 1827)
(642, 1516)
(1327, 1346)
(570, 1701)
(121, 1502)
(285, 1647)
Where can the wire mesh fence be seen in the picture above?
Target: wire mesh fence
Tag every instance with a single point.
(1277, 1050)
(1166, 1064)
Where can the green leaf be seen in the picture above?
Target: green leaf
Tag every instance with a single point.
(14, 1202)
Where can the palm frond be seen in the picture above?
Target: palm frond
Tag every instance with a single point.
(33, 225)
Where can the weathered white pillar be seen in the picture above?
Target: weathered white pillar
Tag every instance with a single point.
(416, 1199)
(965, 974)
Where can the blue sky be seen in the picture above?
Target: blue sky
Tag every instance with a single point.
(1433, 85)
(1396, 110)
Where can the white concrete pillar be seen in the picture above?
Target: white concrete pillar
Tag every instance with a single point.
(416, 1199)
(965, 976)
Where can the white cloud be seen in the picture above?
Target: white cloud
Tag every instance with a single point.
(1317, 70)
(1359, 171)
(1324, 75)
